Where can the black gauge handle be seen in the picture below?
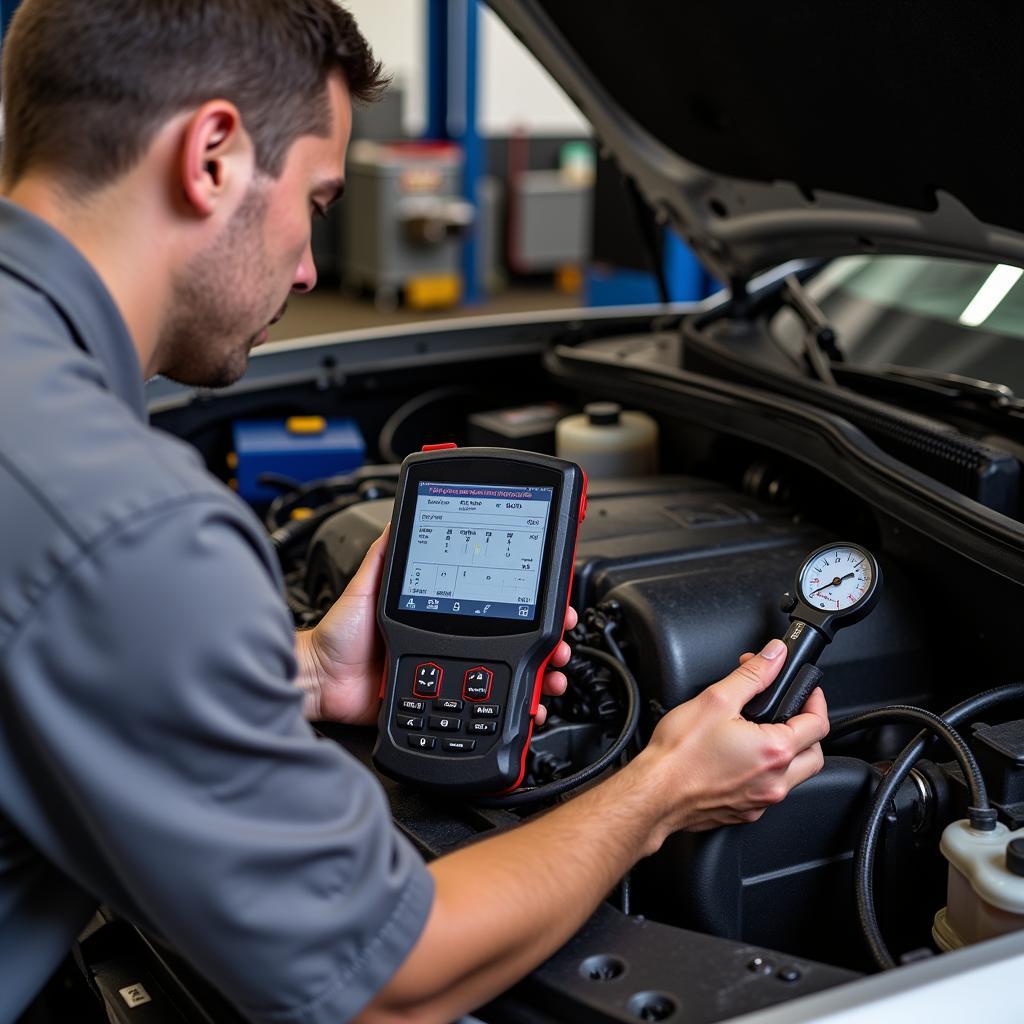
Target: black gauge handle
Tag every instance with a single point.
(804, 645)
(811, 630)
(800, 689)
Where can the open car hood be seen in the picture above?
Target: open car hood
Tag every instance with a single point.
(766, 132)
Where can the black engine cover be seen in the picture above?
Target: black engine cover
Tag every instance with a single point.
(698, 571)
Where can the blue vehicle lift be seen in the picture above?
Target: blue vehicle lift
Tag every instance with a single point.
(453, 78)
(453, 67)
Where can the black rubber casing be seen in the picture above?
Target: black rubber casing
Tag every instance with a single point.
(516, 652)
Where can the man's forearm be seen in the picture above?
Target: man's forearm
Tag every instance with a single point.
(507, 903)
(504, 905)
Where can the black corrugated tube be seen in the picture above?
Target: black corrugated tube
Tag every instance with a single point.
(550, 790)
(982, 815)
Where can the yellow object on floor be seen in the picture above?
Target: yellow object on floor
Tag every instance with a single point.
(569, 280)
(436, 292)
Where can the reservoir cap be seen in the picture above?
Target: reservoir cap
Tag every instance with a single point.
(603, 414)
(1015, 856)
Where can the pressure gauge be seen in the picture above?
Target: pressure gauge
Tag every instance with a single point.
(836, 586)
(838, 579)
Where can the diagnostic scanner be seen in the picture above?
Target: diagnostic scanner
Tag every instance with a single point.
(477, 580)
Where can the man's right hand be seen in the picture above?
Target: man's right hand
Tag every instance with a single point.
(716, 768)
(706, 765)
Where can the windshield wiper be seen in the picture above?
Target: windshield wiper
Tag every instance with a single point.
(939, 394)
(819, 339)
(985, 391)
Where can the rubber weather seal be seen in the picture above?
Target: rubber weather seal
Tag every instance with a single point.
(827, 442)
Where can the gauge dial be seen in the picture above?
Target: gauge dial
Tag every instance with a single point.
(837, 579)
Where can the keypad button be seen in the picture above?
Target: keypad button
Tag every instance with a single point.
(422, 742)
(485, 728)
(412, 707)
(444, 724)
(405, 722)
(427, 679)
(487, 711)
(453, 707)
(458, 746)
(476, 683)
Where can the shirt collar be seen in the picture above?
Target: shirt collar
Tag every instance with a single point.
(45, 260)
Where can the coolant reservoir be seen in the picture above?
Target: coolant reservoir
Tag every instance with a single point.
(608, 442)
(985, 896)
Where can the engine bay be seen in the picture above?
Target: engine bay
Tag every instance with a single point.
(677, 573)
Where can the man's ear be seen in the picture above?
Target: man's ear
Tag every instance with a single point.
(217, 158)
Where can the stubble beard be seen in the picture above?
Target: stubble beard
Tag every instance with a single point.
(212, 326)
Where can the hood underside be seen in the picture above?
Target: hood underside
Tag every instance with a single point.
(771, 131)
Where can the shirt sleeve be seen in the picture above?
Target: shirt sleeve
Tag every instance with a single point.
(168, 770)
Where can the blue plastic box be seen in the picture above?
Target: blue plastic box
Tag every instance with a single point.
(303, 448)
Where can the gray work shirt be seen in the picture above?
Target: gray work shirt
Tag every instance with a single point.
(153, 754)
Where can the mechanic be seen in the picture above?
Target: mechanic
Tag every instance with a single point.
(161, 164)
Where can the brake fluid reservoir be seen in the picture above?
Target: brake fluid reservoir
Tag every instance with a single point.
(608, 442)
(985, 895)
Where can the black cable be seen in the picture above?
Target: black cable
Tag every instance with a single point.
(398, 419)
(298, 531)
(278, 481)
(548, 791)
(962, 752)
(383, 478)
(608, 632)
(864, 857)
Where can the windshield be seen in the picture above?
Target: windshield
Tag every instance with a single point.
(946, 316)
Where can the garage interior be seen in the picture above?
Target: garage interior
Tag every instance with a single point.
(789, 409)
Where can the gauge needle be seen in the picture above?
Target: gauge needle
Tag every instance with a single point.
(834, 583)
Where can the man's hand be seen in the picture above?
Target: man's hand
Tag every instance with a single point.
(726, 770)
(341, 660)
(705, 765)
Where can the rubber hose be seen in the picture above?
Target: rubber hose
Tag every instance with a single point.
(535, 794)
(905, 712)
(864, 858)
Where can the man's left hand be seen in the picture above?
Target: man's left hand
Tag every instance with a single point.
(342, 659)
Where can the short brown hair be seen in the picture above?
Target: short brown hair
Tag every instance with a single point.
(87, 85)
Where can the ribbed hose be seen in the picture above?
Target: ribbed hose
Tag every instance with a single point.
(864, 860)
(550, 790)
(941, 728)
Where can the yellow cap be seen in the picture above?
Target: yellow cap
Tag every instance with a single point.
(306, 425)
(302, 513)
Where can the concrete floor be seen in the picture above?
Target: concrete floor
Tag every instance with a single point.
(327, 311)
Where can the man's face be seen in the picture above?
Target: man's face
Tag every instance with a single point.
(226, 299)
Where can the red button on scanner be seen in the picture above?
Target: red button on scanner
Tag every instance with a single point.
(427, 679)
(476, 683)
